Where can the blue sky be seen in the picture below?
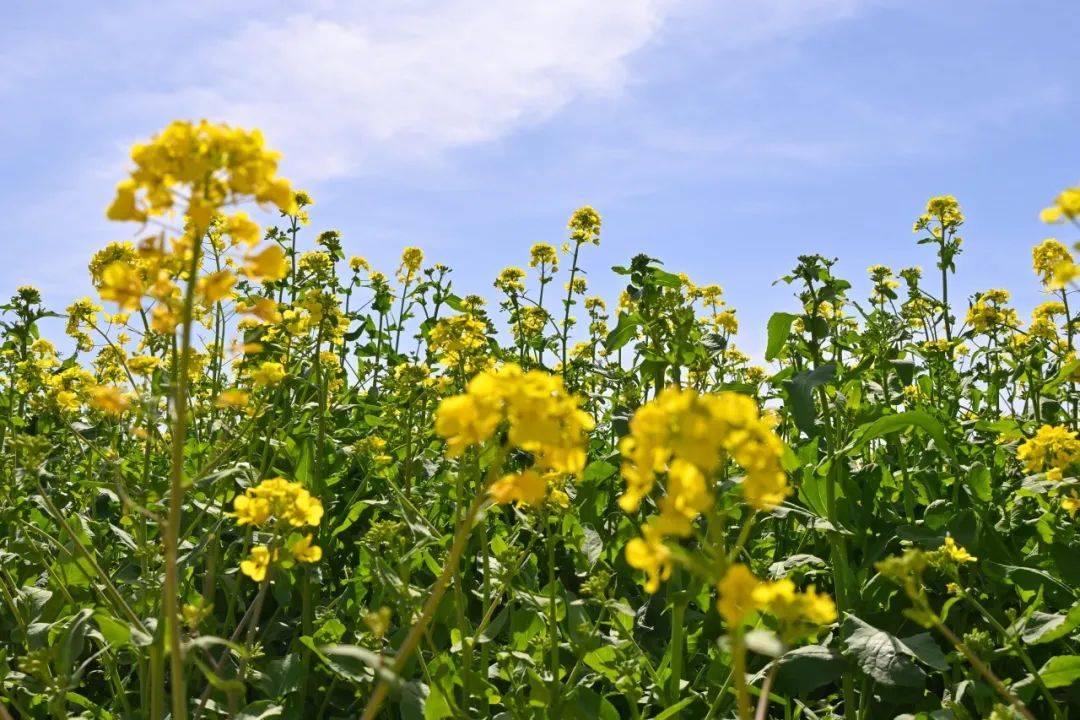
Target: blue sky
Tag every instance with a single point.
(724, 137)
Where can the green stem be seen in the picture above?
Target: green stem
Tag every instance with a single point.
(417, 630)
(676, 645)
(171, 589)
(553, 619)
(738, 670)
(983, 669)
(1010, 640)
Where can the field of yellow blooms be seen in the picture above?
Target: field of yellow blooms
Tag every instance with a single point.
(271, 481)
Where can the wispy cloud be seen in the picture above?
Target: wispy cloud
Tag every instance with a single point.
(349, 91)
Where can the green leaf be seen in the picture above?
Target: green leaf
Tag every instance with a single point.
(778, 329)
(926, 650)
(352, 662)
(115, 632)
(1061, 671)
(905, 370)
(603, 661)
(587, 704)
(1047, 627)
(807, 668)
(1068, 370)
(666, 279)
(800, 390)
(260, 710)
(436, 704)
(624, 331)
(673, 710)
(592, 545)
(598, 470)
(800, 561)
(72, 640)
(900, 421)
(226, 685)
(281, 676)
(1026, 578)
(881, 655)
(764, 642)
(978, 479)
(414, 695)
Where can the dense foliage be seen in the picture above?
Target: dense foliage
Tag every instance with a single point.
(262, 481)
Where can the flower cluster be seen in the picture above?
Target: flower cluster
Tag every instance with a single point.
(540, 417)
(945, 210)
(989, 311)
(277, 500)
(411, 260)
(544, 256)
(203, 167)
(278, 506)
(907, 570)
(1052, 450)
(799, 614)
(689, 435)
(885, 283)
(511, 281)
(1050, 258)
(1066, 207)
(461, 342)
(584, 225)
(217, 163)
(1043, 324)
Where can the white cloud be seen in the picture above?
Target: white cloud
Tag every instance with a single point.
(344, 92)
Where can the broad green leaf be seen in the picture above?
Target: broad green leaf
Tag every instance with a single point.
(673, 710)
(905, 370)
(978, 479)
(800, 390)
(624, 331)
(927, 651)
(663, 277)
(900, 421)
(260, 710)
(881, 655)
(587, 704)
(592, 546)
(1046, 627)
(807, 668)
(764, 642)
(414, 695)
(72, 640)
(115, 632)
(1060, 671)
(1068, 370)
(778, 329)
(598, 470)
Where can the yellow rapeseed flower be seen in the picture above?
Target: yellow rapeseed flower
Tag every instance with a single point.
(648, 553)
(736, 594)
(524, 488)
(702, 430)
(1066, 207)
(258, 563)
(232, 398)
(122, 283)
(269, 264)
(1047, 256)
(109, 399)
(216, 286)
(304, 551)
(1052, 449)
(268, 374)
(956, 553)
